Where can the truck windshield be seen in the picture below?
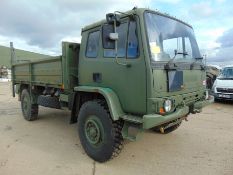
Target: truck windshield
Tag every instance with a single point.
(227, 73)
(170, 39)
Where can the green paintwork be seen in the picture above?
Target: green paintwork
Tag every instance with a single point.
(152, 120)
(129, 83)
(133, 93)
(110, 96)
(69, 65)
(21, 55)
(43, 72)
(52, 72)
(199, 105)
(138, 129)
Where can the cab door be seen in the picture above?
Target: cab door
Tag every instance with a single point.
(126, 75)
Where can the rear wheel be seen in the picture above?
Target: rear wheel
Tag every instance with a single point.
(100, 136)
(29, 110)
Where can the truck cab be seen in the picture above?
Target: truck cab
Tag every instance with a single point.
(155, 67)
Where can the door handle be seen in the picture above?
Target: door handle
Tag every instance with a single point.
(97, 77)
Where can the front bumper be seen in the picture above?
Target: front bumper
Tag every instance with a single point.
(153, 120)
(223, 96)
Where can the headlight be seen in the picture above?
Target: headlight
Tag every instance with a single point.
(167, 105)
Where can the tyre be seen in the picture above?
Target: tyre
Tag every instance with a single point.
(167, 130)
(100, 136)
(29, 110)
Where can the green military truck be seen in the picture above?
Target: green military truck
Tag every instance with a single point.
(134, 71)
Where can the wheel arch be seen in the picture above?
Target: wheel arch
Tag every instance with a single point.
(108, 94)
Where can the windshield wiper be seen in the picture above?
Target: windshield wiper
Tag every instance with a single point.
(167, 65)
(193, 63)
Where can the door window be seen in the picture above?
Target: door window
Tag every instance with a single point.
(121, 44)
(93, 44)
(127, 45)
(132, 47)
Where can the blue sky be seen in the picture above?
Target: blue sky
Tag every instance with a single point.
(40, 26)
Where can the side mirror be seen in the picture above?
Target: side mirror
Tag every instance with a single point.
(111, 17)
(109, 37)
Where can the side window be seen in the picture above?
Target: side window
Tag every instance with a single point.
(132, 48)
(93, 44)
(121, 44)
(127, 44)
(188, 47)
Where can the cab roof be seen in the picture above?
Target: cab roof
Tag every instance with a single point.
(139, 11)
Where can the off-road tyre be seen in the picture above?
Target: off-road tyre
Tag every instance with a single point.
(108, 142)
(48, 101)
(168, 130)
(29, 110)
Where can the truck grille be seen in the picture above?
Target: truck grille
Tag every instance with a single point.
(225, 90)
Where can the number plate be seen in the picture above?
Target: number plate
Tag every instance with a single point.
(224, 96)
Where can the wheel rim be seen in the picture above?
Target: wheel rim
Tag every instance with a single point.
(93, 130)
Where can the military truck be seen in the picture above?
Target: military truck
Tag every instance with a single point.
(133, 71)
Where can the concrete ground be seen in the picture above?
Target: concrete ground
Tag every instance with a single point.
(50, 146)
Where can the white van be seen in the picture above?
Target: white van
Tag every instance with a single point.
(223, 85)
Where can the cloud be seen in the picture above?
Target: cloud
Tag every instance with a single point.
(35, 23)
(220, 1)
(224, 52)
(211, 20)
(223, 55)
(169, 1)
(201, 10)
(226, 40)
(45, 24)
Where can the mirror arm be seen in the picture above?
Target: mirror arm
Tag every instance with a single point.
(116, 48)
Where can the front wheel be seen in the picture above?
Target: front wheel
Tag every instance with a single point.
(100, 136)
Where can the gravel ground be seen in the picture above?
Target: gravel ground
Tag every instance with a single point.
(50, 145)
